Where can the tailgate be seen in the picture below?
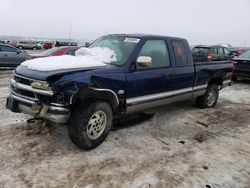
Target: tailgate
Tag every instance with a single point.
(243, 67)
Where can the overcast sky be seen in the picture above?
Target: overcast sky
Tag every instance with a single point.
(200, 21)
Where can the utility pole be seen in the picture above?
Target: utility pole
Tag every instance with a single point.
(70, 25)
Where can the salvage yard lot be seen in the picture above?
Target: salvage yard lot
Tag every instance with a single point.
(180, 146)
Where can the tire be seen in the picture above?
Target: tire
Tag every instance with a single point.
(34, 48)
(84, 122)
(20, 47)
(210, 98)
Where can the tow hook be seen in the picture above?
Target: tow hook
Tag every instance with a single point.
(42, 110)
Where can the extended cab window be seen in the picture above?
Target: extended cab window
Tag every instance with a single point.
(157, 50)
(180, 53)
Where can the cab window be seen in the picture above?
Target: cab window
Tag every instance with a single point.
(158, 51)
(181, 59)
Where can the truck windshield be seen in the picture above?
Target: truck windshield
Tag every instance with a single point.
(122, 46)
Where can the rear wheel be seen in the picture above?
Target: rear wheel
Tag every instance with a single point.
(34, 48)
(20, 47)
(210, 98)
(90, 124)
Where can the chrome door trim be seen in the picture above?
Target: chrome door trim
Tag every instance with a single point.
(145, 98)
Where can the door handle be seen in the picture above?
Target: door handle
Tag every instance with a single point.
(5, 55)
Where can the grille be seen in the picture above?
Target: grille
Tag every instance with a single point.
(22, 80)
(23, 92)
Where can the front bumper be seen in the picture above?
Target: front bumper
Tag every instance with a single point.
(55, 112)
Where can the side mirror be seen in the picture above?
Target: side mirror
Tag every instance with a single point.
(18, 52)
(144, 61)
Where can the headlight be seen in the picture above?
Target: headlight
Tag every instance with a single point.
(40, 85)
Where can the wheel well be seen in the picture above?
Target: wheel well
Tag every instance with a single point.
(217, 81)
(96, 94)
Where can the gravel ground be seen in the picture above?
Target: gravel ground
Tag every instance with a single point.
(180, 146)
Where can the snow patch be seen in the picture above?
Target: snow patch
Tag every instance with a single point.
(85, 57)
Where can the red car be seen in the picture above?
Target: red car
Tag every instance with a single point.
(57, 51)
(48, 45)
(239, 51)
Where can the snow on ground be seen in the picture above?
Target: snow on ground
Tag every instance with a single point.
(85, 57)
(180, 146)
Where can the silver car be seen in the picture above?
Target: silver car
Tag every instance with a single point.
(11, 56)
(27, 45)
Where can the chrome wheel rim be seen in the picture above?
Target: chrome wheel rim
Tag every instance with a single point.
(96, 125)
(211, 98)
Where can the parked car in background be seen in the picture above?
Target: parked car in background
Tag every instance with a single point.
(203, 53)
(58, 44)
(242, 66)
(57, 51)
(10, 42)
(238, 51)
(48, 45)
(147, 71)
(40, 45)
(27, 45)
(11, 56)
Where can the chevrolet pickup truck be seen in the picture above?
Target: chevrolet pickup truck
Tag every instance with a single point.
(149, 71)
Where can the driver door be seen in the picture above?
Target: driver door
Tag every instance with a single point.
(147, 86)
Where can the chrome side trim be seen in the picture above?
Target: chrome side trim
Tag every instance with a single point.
(135, 100)
(145, 98)
(29, 88)
(180, 91)
(225, 82)
(200, 87)
(155, 103)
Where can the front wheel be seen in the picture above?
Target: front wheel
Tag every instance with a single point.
(90, 124)
(210, 98)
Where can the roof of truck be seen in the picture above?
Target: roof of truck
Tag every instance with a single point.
(142, 35)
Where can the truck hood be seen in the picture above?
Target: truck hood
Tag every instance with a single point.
(47, 75)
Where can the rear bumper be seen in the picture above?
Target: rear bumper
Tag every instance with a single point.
(242, 75)
(55, 112)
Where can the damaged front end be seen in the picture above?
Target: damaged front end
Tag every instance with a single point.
(36, 98)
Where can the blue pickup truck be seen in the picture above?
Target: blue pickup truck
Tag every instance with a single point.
(149, 71)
